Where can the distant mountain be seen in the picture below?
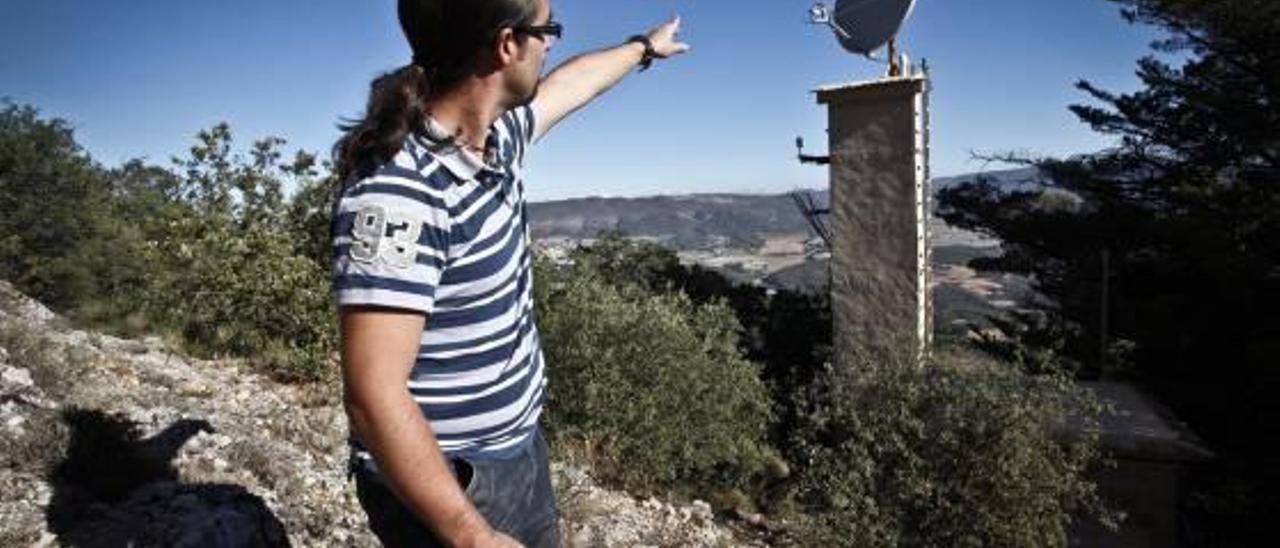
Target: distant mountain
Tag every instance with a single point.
(701, 221)
(1008, 178)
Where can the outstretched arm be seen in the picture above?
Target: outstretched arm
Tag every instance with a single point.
(579, 80)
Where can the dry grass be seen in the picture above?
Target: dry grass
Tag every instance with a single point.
(320, 394)
(271, 470)
(23, 530)
(53, 368)
(42, 444)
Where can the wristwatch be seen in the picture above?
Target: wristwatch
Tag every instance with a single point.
(649, 53)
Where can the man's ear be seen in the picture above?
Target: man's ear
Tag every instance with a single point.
(506, 48)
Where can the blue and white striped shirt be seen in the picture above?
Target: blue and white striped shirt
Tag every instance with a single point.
(440, 232)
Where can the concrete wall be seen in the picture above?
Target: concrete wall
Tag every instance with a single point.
(879, 248)
(1151, 449)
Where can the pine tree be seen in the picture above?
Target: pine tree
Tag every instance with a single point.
(1182, 221)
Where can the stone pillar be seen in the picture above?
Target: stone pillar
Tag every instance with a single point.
(880, 253)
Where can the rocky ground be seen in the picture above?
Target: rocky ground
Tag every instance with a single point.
(115, 442)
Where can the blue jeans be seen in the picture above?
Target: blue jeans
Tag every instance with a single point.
(514, 495)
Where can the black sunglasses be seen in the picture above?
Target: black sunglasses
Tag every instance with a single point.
(552, 29)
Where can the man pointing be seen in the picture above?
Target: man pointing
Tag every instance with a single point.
(442, 366)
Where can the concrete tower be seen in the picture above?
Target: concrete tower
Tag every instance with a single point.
(880, 250)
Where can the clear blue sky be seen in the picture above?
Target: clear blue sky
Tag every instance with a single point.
(139, 78)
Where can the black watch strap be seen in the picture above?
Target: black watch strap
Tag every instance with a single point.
(649, 53)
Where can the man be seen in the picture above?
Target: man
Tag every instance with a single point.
(442, 369)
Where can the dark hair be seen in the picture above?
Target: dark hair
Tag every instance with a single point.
(445, 36)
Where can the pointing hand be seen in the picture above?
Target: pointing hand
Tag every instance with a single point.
(664, 39)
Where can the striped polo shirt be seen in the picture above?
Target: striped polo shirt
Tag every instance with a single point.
(439, 231)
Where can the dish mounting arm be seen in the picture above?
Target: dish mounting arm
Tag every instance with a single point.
(808, 158)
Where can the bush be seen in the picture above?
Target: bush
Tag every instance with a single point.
(53, 198)
(947, 454)
(649, 387)
(211, 251)
(244, 295)
(308, 216)
(228, 274)
(787, 333)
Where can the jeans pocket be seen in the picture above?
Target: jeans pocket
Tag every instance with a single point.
(469, 475)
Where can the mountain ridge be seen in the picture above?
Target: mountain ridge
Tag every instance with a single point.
(708, 221)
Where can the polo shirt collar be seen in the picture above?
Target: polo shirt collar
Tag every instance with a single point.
(462, 163)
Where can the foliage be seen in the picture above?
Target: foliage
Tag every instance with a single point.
(307, 218)
(52, 196)
(243, 295)
(951, 453)
(1030, 340)
(1183, 220)
(650, 386)
(788, 333)
(228, 275)
(621, 261)
(212, 251)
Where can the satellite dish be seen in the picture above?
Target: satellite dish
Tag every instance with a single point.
(863, 26)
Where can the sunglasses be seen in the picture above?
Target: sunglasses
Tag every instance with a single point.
(548, 33)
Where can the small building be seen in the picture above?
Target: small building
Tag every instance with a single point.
(1151, 450)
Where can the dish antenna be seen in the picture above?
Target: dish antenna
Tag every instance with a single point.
(864, 26)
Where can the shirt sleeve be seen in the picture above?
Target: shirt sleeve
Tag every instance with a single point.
(391, 240)
(518, 124)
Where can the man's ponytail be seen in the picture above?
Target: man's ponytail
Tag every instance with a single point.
(397, 107)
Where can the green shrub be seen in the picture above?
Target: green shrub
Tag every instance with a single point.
(308, 216)
(788, 333)
(944, 454)
(53, 198)
(650, 388)
(244, 295)
(228, 274)
(211, 250)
